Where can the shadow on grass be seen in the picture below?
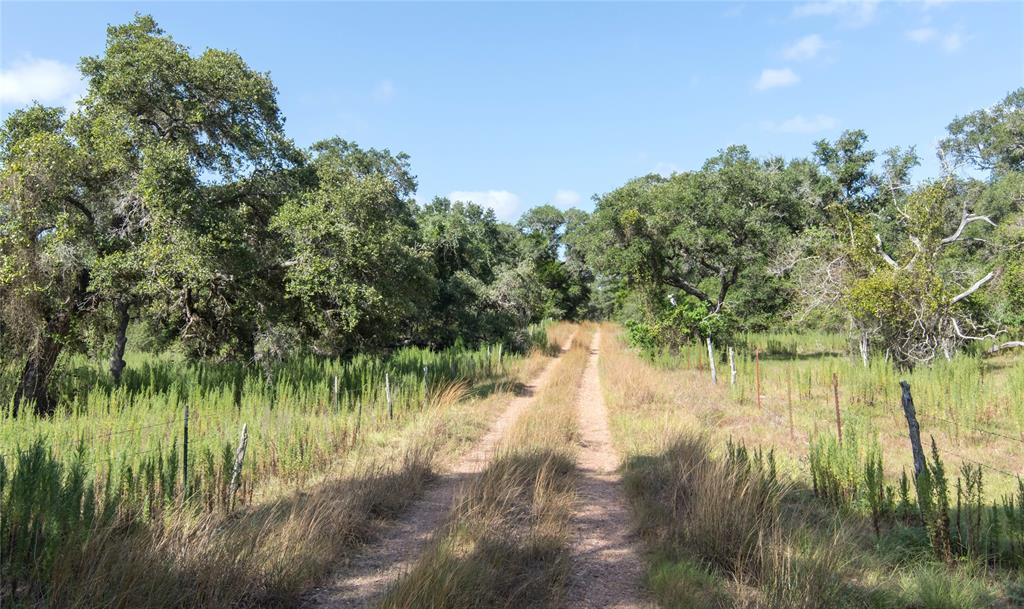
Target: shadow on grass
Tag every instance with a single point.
(264, 556)
(724, 533)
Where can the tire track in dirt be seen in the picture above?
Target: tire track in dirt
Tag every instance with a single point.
(400, 543)
(607, 567)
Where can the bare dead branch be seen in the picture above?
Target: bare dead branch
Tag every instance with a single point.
(965, 220)
(1013, 344)
(888, 259)
(977, 286)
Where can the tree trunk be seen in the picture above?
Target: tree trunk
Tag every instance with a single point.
(34, 386)
(117, 363)
(864, 348)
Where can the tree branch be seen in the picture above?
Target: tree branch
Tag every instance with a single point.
(977, 286)
(1013, 344)
(691, 290)
(81, 207)
(726, 284)
(888, 259)
(966, 219)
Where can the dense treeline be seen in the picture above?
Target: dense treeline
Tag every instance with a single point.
(173, 199)
(842, 241)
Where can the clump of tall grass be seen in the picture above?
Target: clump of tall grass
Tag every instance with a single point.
(935, 587)
(728, 513)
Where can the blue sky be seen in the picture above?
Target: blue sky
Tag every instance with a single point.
(520, 104)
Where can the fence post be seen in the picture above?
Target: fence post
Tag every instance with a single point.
(757, 375)
(387, 393)
(711, 362)
(913, 427)
(184, 457)
(732, 367)
(359, 419)
(425, 384)
(789, 401)
(236, 471)
(839, 420)
(334, 398)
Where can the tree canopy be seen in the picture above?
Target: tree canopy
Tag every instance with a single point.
(171, 197)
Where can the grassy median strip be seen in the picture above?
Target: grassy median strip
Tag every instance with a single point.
(506, 543)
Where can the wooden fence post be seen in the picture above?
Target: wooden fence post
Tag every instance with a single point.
(789, 401)
(334, 398)
(387, 393)
(711, 362)
(425, 383)
(757, 375)
(839, 419)
(732, 367)
(236, 472)
(359, 416)
(913, 427)
(184, 457)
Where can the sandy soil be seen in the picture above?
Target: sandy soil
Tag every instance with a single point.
(607, 567)
(400, 543)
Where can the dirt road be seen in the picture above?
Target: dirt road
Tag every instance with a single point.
(380, 563)
(607, 565)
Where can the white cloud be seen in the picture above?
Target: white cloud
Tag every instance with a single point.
(43, 80)
(951, 43)
(771, 78)
(922, 34)
(805, 48)
(384, 91)
(802, 124)
(565, 199)
(506, 205)
(851, 13)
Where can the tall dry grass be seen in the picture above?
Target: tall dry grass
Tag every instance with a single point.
(506, 541)
(722, 532)
(718, 525)
(728, 516)
(269, 552)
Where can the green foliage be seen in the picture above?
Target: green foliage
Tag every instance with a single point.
(473, 256)
(990, 138)
(353, 261)
(696, 231)
(552, 241)
(171, 195)
(689, 320)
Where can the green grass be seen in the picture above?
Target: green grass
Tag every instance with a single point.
(112, 457)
